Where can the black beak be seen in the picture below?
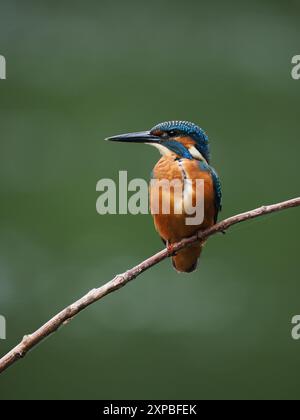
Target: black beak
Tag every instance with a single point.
(140, 137)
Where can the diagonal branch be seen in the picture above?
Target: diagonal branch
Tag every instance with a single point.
(30, 341)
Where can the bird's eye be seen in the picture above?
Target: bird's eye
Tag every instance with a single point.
(173, 133)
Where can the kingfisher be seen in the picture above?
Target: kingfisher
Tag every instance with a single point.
(185, 151)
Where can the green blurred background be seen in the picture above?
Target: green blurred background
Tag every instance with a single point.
(80, 71)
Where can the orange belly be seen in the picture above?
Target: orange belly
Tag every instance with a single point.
(172, 227)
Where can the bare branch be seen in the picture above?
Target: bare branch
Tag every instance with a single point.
(29, 341)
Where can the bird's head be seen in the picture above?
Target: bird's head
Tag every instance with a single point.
(182, 138)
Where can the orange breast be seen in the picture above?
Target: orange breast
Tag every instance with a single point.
(173, 227)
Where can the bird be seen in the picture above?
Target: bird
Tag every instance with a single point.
(185, 151)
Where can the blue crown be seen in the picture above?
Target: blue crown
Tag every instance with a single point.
(190, 129)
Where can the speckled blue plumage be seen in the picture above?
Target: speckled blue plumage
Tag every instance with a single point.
(189, 129)
(217, 186)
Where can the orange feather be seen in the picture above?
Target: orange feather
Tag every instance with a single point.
(172, 227)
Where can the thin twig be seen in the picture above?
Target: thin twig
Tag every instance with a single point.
(29, 341)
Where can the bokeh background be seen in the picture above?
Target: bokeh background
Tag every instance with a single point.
(78, 72)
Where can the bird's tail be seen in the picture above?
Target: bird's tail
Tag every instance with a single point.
(186, 260)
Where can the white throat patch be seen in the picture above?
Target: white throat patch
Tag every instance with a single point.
(165, 151)
(162, 149)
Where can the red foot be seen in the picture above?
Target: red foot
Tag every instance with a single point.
(170, 248)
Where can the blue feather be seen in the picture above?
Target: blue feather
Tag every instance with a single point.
(178, 148)
(217, 186)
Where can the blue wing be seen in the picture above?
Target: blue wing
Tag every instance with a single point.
(218, 191)
(217, 186)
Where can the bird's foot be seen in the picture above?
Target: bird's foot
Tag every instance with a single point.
(170, 249)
